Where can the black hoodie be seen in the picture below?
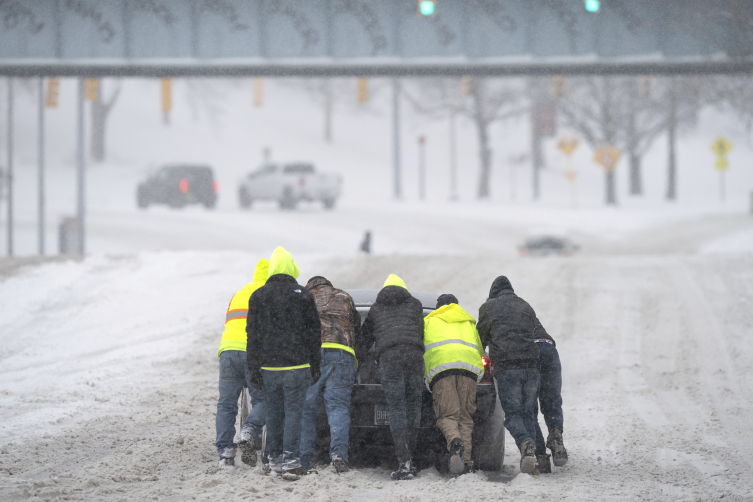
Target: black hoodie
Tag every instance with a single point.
(396, 318)
(508, 325)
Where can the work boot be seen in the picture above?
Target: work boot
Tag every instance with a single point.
(405, 471)
(227, 458)
(248, 453)
(555, 444)
(457, 448)
(294, 474)
(527, 456)
(274, 466)
(543, 464)
(340, 464)
(226, 462)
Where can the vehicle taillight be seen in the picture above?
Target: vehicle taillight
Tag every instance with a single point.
(215, 187)
(484, 360)
(183, 186)
(522, 253)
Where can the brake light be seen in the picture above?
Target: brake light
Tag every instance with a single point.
(183, 186)
(215, 187)
(484, 360)
(522, 253)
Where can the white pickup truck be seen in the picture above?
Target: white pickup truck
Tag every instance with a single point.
(289, 184)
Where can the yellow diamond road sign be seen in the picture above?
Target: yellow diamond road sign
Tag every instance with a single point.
(567, 144)
(721, 146)
(607, 156)
(722, 164)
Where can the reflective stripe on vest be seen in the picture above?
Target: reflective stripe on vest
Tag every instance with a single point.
(451, 340)
(455, 365)
(268, 368)
(233, 315)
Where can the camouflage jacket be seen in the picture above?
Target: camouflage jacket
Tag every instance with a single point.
(341, 321)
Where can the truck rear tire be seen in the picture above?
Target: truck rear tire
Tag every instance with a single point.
(328, 203)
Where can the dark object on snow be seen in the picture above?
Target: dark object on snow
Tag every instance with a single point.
(546, 245)
(177, 186)
(366, 243)
(68, 239)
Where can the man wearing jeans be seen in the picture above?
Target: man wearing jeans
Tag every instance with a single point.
(550, 399)
(507, 324)
(284, 343)
(340, 325)
(395, 324)
(234, 376)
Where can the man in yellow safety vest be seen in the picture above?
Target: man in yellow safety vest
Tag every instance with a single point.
(452, 358)
(234, 375)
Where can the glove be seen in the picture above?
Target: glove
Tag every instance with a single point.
(315, 374)
(255, 379)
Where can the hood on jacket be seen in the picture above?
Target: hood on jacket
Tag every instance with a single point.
(394, 280)
(452, 313)
(282, 263)
(317, 281)
(261, 273)
(392, 295)
(499, 285)
(446, 299)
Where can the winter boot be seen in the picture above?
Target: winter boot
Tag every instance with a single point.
(274, 466)
(226, 462)
(527, 456)
(555, 444)
(543, 464)
(246, 445)
(294, 474)
(227, 458)
(340, 464)
(457, 448)
(404, 471)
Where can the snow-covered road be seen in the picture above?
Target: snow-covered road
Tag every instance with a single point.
(108, 369)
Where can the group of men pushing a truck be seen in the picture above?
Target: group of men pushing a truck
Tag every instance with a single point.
(290, 344)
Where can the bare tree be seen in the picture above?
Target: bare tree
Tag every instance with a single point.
(483, 101)
(598, 109)
(100, 111)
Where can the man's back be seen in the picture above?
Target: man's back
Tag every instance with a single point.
(507, 323)
(338, 315)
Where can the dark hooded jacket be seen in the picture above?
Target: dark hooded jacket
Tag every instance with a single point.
(508, 325)
(337, 313)
(395, 319)
(282, 327)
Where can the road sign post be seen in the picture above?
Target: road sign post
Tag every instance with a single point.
(567, 145)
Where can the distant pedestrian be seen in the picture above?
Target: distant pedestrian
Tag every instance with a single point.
(550, 399)
(453, 363)
(366, 243)
(284, 344)
(234, 376)
(341, 323)
(507, 324)
(395, 323)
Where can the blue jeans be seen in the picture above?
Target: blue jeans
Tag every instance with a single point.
(233, 377)
(518, 392)
(550, 393)
(285, 395)
(336, 384)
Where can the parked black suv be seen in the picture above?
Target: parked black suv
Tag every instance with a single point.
(370, 439)
(178, 185)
